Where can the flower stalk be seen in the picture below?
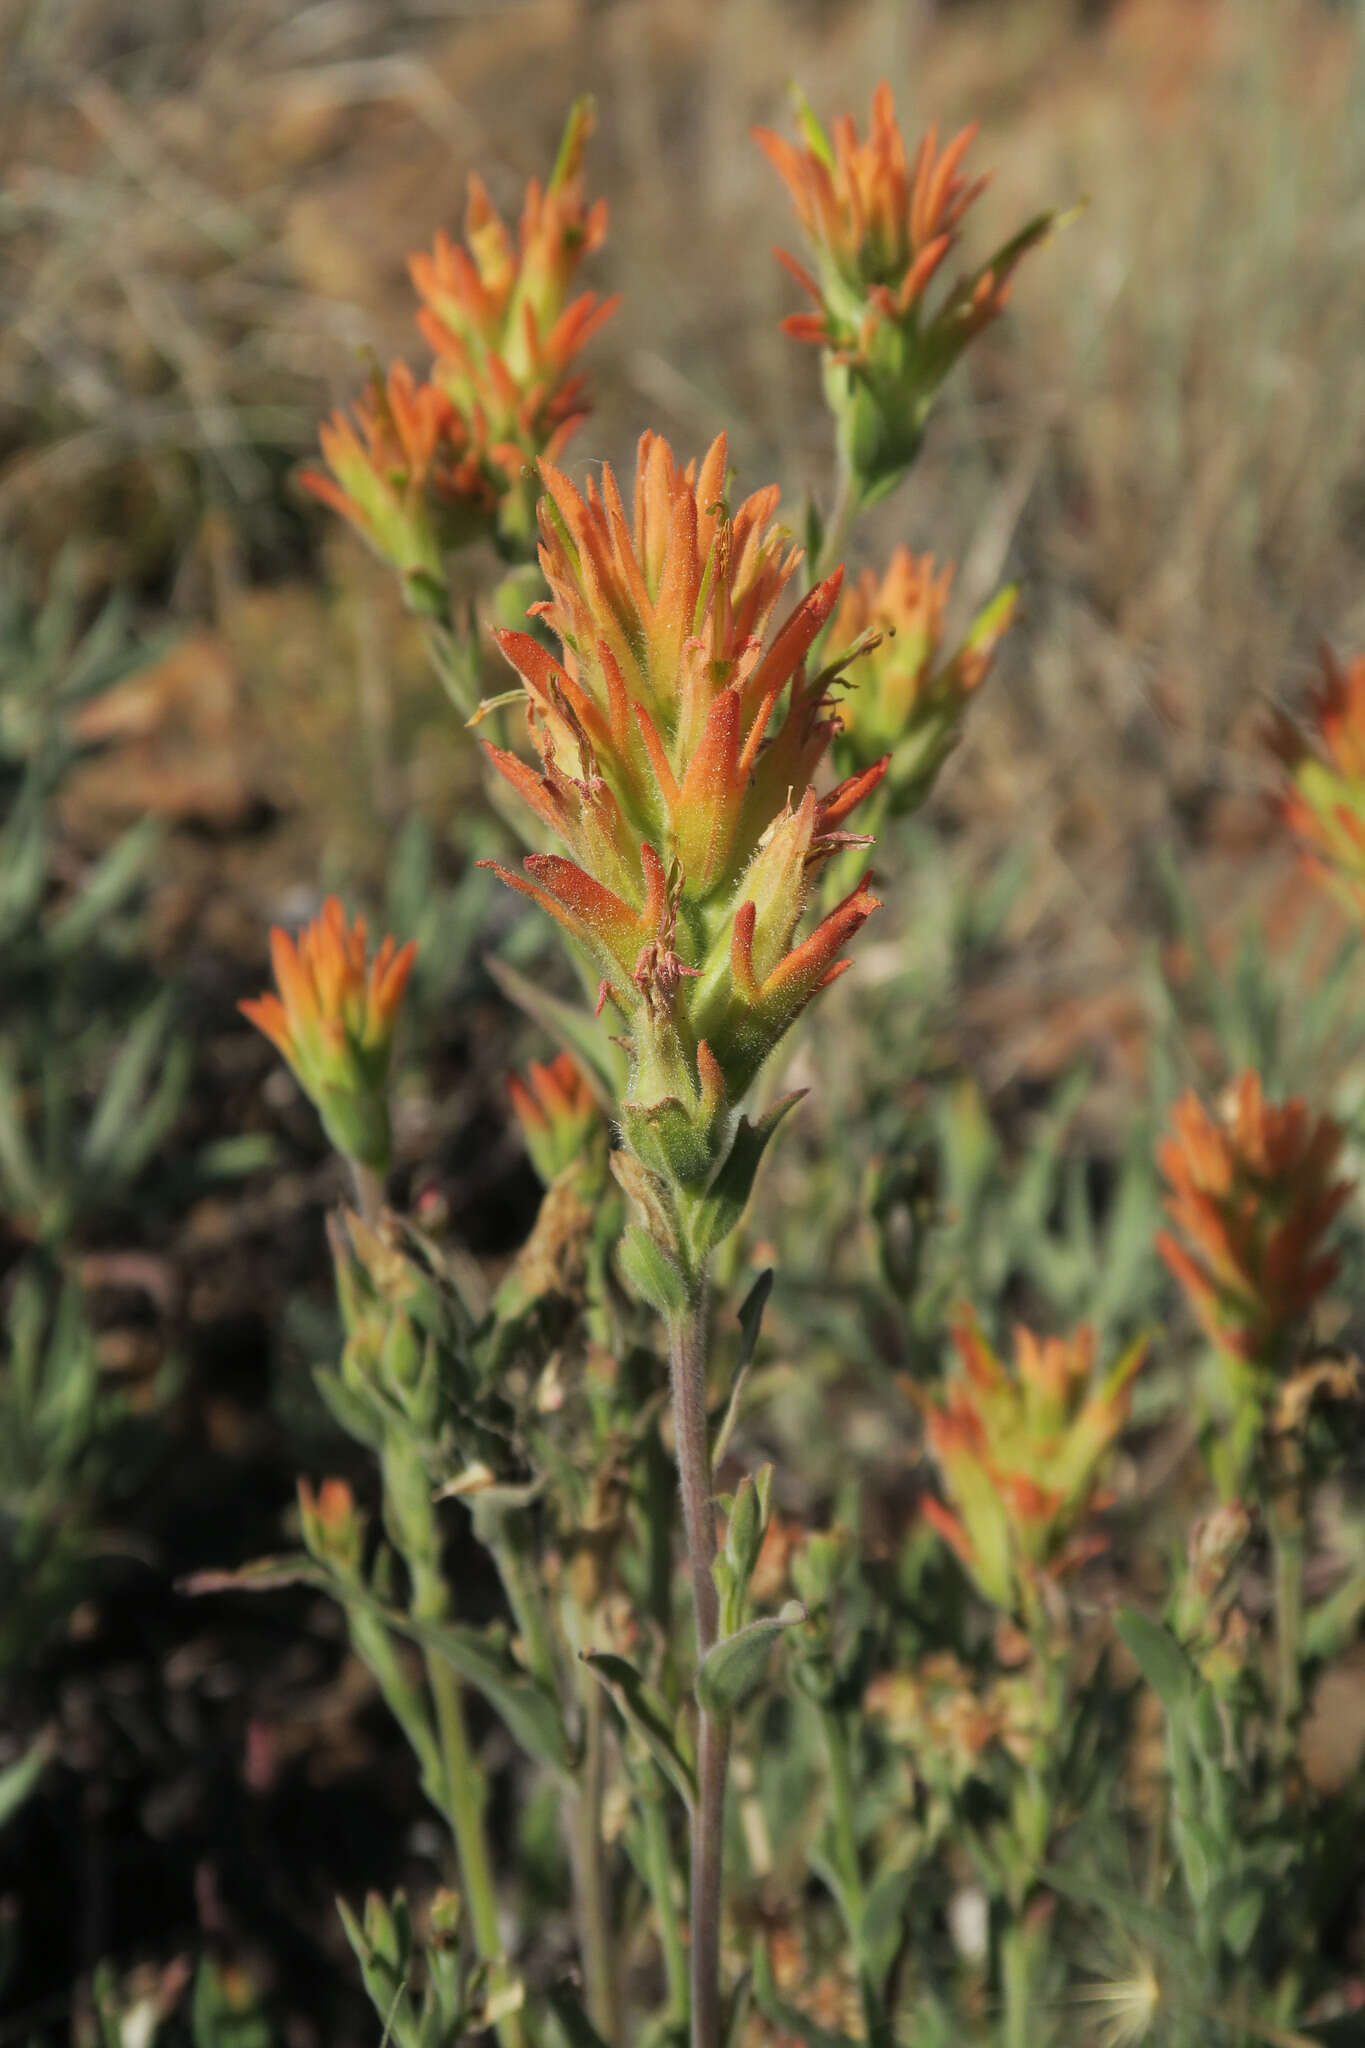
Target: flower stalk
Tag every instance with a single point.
(687, 1337)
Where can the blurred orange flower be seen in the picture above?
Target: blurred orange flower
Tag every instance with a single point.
(1253, 1191)
(498, 316)
(437, 464)
(334, 1020)
(880, 225)
(901, 700)
(408, 477)
(558, 1113)
(1019, 1450)
(1324, 804)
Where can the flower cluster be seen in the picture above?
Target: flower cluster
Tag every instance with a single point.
(903, 700)
(1253, 1191)
(678, 742)
(559, 1115)
(334, 1020)
(1324, 804)
(1019, 1452)
(880, 225)
(427, 467)
(405, 473)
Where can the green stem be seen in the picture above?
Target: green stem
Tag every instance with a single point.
(590, 1874)
(1017, 1986)
(659, 1870)
(403, 1698)
(849, 1865)
(369, 1191)
(526, 1600)
(464, 1810)
(687, 1363)
(841, 1809)
(840, 526)
(1286, 1544)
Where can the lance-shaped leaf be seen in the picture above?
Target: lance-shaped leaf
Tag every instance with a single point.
(263, 1575)
(644, 1709)
(712, 1216)
(750, 1318)
(530, 1712)
(733, 1667)
(1160, 1659)
(18, 1779)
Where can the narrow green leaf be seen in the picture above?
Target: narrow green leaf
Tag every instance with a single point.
(110, 882)
(18, 1779)
(750, 1323)
(262, 1575)
(712, 1216)
(531, 1713)
(644, 1709)
(1159, 1657)
(116, 1107)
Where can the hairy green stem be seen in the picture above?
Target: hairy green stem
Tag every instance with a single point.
(687, 1364)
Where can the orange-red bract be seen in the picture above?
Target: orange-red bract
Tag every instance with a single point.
(1253, 1192)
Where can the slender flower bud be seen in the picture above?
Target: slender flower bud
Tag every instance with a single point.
(560, 1117)
(333, 1527)
(1019, 1450)
(1253, 1192)
(334, 1020)
(902, 700)
(678, 737)
(880, 227)
(1324, 802)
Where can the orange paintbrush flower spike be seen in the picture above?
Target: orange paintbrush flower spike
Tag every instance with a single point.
(679, 734)
(427, 467)
(1020, 1451)
(880, 226)
(408, 474)
(559, 1114)
(1324, 801)
(1254, 1190)
(900, 698)
(334, 1020)
(497, 315)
